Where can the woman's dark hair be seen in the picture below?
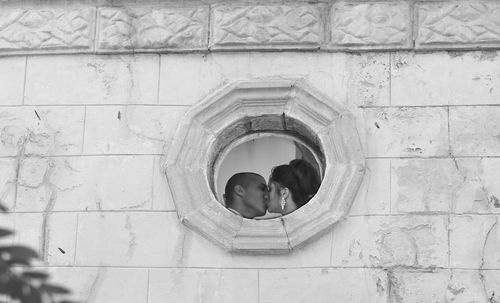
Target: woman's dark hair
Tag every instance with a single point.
(300, 178)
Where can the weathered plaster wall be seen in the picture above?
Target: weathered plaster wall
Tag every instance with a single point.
(80, 155)
(81, 138)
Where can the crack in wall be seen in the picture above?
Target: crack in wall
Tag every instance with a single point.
(137, 206)
(489, 199)
(132, 237)
(49, 207)
(181, 248)
(20, 155)
(98, 205)
(45, 238)
(492, 298)
(49, 186)
(10, 186)
(131, 82)
(96, 284)
(480, 271)
(47, 212)
(125, 122)
(393, 288)
(454, 290)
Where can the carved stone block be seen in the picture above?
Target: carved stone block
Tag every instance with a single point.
(215, 223)
(374, 195)
(338, 138)
(241, 100)
(265, 26)
(190, 153)
(46, 30)
(188, 200)
(313, 108)
(320, 220)
(470, 24)
(267, 236)
(382, 25)
(152, 29)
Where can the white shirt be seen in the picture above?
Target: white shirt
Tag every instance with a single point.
(234, 211)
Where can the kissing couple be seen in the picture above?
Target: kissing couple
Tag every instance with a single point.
(290, 186)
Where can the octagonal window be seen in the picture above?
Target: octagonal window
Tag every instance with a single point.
(242, 112)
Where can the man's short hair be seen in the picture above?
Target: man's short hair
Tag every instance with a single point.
(237, 179)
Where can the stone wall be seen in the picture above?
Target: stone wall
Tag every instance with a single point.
(82, 137)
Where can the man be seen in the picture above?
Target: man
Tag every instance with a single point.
(246, 195)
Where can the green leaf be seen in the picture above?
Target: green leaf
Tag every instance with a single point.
(5, 232)
(4, 265)
(32, 296)
(3, 208)
(35, 275)
(14, 262)
(12, 287)
(54, 289)
(18, 252)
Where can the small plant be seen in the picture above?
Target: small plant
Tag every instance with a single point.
(19, 281)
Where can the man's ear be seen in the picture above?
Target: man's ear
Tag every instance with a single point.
(239, 190)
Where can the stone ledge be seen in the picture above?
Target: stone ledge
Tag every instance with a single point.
(462, 24)
(370, 26)
(177, 27)
(152, 29)
(266, 27)
(50, 30)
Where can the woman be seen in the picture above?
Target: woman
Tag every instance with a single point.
(291, 186)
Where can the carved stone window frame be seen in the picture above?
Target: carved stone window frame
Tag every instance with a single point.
(245, 108)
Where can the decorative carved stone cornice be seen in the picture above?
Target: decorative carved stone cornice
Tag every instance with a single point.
(205, 27)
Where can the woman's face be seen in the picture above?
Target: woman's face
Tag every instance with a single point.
(274, 198)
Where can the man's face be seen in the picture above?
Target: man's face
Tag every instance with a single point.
(256, 195)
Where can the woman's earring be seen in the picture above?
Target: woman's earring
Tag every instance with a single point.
(283, 202)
